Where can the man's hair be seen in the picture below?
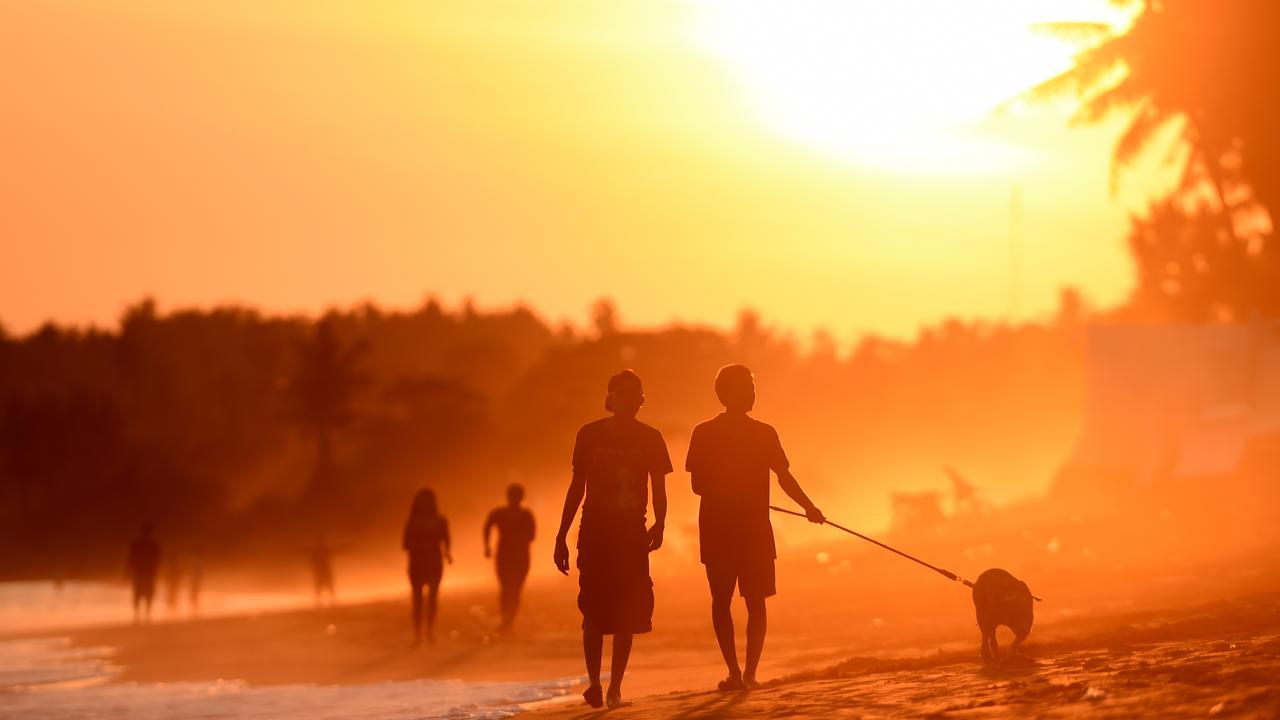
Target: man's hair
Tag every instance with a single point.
(618, 381)
(727, 377)
(515, 491)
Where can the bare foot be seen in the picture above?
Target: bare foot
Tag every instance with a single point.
(750, 683)
(614, 700)
(593, 696)
(733, 683)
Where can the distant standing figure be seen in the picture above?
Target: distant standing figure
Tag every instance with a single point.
(615, 460)
(426, 539)
(730, 457)
(142, 566)
(320, 556)
(515, 532)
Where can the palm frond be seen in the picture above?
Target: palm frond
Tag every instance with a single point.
(1079, 32)
(1148, 118)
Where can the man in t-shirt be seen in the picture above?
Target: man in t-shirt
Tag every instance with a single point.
(615, 461)
(515, 531)
(730, 457)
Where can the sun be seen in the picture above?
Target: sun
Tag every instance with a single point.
(902, 85)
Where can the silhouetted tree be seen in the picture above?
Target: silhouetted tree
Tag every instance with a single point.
(1190, 269)
(1206, 68)
(604, 317)
(323, 392)
(1208, 65)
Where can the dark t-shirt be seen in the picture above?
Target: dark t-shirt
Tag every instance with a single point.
(515, 530)
(144, 559)
(617, 459)
(730, 457)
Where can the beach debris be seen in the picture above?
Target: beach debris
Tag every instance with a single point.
(1094, 694)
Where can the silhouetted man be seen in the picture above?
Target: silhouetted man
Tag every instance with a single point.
(141, 568)
(729, 460)
(615, 461)
(515, 533)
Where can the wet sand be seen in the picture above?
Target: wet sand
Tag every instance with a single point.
(1221, 660)
(1173, 645)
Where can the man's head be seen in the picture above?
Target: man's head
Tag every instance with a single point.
(626, 394)
(736, 388)
(515, 493)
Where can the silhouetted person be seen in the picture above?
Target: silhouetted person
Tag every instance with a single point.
(729, 460)
(141, 569)
(614, 461)
(320, 557)
(426, 538)
(515, 533)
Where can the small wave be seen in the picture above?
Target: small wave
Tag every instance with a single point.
(49, 663)
(221, 699)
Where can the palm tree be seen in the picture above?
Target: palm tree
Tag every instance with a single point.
(323, 393)
(1206, 66)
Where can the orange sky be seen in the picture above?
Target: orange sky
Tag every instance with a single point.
(297, 153)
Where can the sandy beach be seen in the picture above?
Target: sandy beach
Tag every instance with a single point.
(1174, 646)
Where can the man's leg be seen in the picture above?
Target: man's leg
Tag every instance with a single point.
(722, 581)
(504, 602)
(757, 622)
(618, 668)
(592, 646)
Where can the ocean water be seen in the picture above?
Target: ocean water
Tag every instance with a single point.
(51, 679)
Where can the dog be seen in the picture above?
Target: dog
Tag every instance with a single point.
(1001, 599)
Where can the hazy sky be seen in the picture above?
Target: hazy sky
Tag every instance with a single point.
(687, 159)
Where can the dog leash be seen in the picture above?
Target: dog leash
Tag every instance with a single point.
(941, 571)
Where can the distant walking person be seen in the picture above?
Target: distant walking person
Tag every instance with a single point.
(142, 567)
(615, 459)
(320, 556)
(426, 538)
(729, 460)
(515, 533)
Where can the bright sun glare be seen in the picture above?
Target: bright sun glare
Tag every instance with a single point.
(902, 85)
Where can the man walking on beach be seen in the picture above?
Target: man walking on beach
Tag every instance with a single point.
(615, 461)
(515, 532)
(729, 460)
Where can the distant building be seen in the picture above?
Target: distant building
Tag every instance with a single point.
(1174, 404)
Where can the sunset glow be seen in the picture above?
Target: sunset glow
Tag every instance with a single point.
(902, 85)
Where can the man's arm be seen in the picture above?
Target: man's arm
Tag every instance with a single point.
(572, 499)
(488, 525)
(659, 511)
(791, 487)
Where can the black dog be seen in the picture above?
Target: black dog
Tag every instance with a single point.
(1001, 599)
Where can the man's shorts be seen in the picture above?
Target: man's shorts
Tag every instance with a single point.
(755, 578)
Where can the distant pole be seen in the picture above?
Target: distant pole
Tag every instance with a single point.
(1015, 249)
